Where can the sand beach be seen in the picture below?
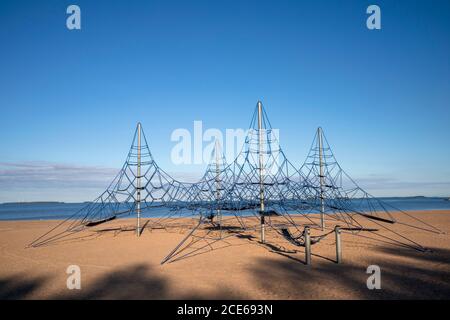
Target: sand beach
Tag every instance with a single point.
(116, 264)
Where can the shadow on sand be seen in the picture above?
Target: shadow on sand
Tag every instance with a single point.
(19, 287)
(405, 274)
(135, 282)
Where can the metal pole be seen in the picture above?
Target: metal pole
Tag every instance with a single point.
(219, 217)
(138, 197)
(307, 245)
(322, 207)
(337, 231)
(261, 178)
(172, 253)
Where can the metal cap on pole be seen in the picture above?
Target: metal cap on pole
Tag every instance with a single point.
(307, 234)
(337, 231)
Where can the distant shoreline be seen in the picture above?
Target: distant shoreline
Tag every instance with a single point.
(41, 202)
(38, 211)
(131, 217)
(63, 202)
(32, 202)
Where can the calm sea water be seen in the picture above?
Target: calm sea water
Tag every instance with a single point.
(48, 211)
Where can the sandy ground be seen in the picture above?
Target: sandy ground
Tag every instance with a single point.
(117, 265)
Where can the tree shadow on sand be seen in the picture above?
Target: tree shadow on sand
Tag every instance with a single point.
(405, 274)
(19, 287)
(138, 282)
(134, 282)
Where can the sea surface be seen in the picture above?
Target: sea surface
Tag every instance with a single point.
(60, 210)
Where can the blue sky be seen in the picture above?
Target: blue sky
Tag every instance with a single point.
(70, 100)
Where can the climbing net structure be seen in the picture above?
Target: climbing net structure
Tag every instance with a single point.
(261, 190)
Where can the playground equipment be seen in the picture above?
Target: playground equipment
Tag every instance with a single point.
(261, 190)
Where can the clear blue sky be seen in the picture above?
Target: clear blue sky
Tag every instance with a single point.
(70, 100)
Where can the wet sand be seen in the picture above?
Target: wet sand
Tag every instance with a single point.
(116, 264)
